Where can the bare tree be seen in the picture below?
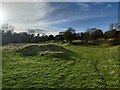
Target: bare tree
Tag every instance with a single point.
(7, 27)
(31, 31)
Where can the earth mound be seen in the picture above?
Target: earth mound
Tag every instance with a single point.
(31, 50)
(34, 50)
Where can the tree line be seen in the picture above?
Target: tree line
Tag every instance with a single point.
(93, 35)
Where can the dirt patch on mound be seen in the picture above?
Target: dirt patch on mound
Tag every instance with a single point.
(34, 50)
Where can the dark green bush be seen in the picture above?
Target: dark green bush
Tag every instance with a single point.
(114, 41)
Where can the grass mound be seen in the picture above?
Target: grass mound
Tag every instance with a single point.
(34, 50)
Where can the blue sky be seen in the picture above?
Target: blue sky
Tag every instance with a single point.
(58, 16)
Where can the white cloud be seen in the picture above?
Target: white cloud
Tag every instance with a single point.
(59, 0)
(28, 15)
(109, 5)
(44, 9)
(98, 3)
(29, 12)
(84, 6)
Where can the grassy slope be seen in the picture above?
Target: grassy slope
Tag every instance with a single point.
(87, 67)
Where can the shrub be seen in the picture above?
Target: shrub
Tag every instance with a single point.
(114, 41)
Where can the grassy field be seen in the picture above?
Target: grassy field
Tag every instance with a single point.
(66, 67)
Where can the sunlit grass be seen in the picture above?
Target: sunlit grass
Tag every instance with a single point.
(84, 66)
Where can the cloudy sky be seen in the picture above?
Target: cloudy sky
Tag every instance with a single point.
(58, 16)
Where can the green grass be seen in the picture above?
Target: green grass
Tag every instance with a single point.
(80, 67)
